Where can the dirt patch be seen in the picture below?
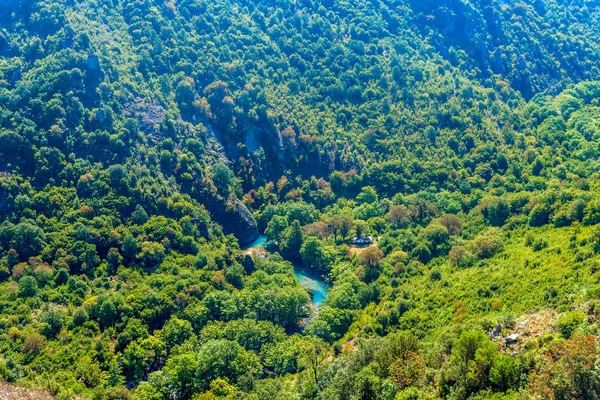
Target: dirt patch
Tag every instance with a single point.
(12, 392)
(257, 252)
(149, 115)
(350, 345)
(528, 327)
(359, 249)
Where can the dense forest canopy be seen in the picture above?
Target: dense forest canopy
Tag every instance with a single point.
(435, 163)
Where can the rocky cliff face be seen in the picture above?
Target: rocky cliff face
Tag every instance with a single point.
(235, 218)
(231, 213)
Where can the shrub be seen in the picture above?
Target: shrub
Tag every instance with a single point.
(34, 343)
(539, 244)
(569, 322)
(486, 246)
(457, 256)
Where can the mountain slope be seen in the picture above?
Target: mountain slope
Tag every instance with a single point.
(142, 142)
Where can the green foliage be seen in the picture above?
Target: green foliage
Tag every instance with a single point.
(136, 137)
(486, 246)
(569, 322)
(222, 358)
(151, 255)
(496, 211)
(313, 254)
(28, 287)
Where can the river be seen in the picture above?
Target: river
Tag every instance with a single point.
(311, 282)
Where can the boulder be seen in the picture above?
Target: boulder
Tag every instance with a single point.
(497, 331)
(514, 338)
(242, 224)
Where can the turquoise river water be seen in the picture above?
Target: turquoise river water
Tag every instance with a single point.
(313, 283)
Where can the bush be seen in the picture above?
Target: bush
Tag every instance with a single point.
(569, 322)
(539, 244)
(34, 343)
(486, 246)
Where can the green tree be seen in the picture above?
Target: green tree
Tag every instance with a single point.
(80, 316)
(539, 215)
(504, 374)
(496, 211)
(134, 362)
(226, 359)
(275, 228)
(486, 246)
(292, 241)
(422, 253)
(115, 374)
(129, 247)
(183, 372)
(27, 239)
(367, 195)
(312, 357)
(175, 332)
(28, 286)
(139, 216)
(151, 255)
(537, 167)
(107, 313)
(54, 322)
(591, 213)
(223, 179)
(473, 356)
(89, 372)
(312, 253)
(437, 236)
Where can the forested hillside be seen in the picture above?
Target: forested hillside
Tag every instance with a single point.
(436, 163)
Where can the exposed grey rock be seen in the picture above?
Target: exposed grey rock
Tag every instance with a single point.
(514, 338)
(232, 214)
(497, 331)
(149, 115)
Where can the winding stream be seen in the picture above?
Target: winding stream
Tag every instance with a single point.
(311, 282)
